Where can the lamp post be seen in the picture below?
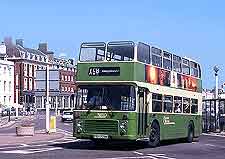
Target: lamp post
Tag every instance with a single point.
(47, 105)
(216, 70)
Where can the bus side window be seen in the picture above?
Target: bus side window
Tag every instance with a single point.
(186, 105)
(194, 106)
(156, 102)
(156, 57)
(185, 66)
(177, 104)
(177, 62)
(168, 103)
(143, 53)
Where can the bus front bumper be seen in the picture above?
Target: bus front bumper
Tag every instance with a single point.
(105, 137)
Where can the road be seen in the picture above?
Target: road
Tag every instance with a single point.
(208, 147)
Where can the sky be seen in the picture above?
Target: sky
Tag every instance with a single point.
(195, 29)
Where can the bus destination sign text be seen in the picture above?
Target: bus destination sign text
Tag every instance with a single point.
(104, 71)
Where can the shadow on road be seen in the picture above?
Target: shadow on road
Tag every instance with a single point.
(113, 146)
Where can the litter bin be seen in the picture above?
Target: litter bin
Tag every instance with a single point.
(52, 124)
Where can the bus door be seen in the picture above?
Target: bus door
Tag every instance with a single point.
(142, 111)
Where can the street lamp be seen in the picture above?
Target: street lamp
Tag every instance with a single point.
(216, 70)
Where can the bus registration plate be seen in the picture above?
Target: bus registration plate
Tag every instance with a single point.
(100, 136)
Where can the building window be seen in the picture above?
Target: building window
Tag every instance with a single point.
(62, 78)
(30, 83)
(65, 89)
(4, 99)
(62, 89)
(72, 78)
(25, 83)
(10, 71)
(25, 69)
(72, 89)
(68, 78)
(10, 86)
(30, 71)
(4, 86)
(65, 78)
(35, 69)
(68, 89)
(4, 70)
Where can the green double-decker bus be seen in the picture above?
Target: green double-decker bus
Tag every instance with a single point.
(135, 91)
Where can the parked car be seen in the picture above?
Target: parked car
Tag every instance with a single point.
(67, 116)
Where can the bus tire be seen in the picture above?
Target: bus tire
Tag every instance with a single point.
(190, 136)
(154, 136)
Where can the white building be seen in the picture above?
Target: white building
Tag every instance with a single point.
(6, 83)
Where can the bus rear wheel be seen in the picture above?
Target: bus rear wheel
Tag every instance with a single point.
(154, 136)
(190, 136)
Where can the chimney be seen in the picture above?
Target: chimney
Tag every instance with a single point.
(19, 42)
(43, 47)
(8, 40)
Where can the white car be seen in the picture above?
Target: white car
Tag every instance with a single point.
(67, 116)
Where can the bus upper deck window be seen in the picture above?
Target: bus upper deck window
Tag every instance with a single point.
(92, 52)
(177, 63)
(167, 60)
(156, 56)
(194, 69)
(120, 51)
(143, 53)
(185, 66)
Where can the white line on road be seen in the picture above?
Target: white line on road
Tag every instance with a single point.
(161, 156)
(138, 157)
(210, 145)
(213, 135)
(139, 153)
(70, 133)
(31, 151)
(24, 145)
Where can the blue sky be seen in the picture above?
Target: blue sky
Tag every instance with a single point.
(192, 28)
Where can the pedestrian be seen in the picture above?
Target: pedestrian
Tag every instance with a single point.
(222, 120)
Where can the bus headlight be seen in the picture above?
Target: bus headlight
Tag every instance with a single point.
(123, 127)
(79, 126)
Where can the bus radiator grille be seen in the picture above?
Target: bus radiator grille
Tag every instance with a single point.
(101, 126)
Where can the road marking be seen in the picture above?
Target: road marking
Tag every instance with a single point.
(152, 156)
(31, 151)
(217, 135)
(161, 156)
(24, 145)
(65, 131)
(139, 153)
(210, 145)
(138, 157)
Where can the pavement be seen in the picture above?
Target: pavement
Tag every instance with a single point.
(39, 136)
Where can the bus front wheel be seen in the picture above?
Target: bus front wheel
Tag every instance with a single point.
(154, 136)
